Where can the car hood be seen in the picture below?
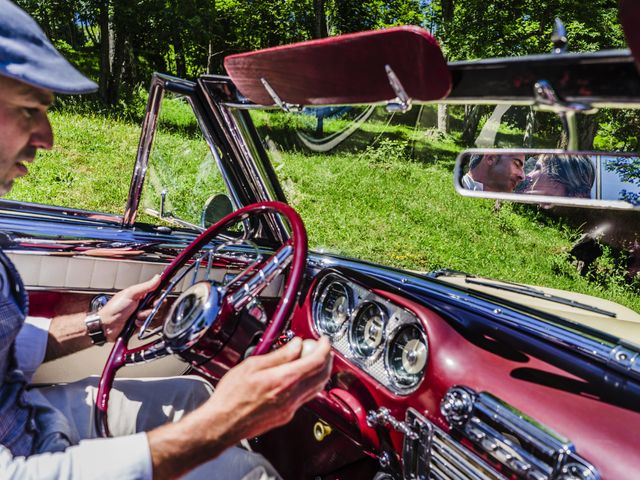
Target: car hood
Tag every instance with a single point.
(624, 325)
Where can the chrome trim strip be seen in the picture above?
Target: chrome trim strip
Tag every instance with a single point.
(436, 455)
(156, 93)
(520, 443)
(59, 213)
(264, 276)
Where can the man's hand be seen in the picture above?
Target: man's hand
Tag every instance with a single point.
(259, 394)
(68, 332)
(122, 305)
(264, 392)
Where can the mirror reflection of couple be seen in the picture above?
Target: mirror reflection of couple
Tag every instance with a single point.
(560, 175)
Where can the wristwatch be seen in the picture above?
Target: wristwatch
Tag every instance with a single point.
(94, 329)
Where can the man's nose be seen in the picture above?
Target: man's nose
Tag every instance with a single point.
(42, 134)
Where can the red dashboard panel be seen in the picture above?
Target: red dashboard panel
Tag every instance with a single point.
(559, 400)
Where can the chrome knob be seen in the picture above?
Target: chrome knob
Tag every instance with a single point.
(456, 405)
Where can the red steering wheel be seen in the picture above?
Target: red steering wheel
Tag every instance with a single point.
(220, 302)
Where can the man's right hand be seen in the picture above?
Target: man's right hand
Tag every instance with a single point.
(261, 393)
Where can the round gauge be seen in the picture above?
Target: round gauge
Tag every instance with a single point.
(407, 356)
(367, 329)
(334, 308)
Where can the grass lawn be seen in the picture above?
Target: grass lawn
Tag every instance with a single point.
(367, 202)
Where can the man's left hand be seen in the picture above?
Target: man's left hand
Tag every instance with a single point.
(122, 305)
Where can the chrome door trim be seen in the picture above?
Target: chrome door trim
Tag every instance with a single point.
(246, 153)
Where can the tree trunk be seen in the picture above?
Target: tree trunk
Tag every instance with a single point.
(587, 127)
(472, 116)
(587, 132)
(320, 20)
(117, 57)
(563, 141)
(447, 10)
(210, 58)
(443, 118)
(112, 51)
(529, 128)
(178, 48)
(105, 48)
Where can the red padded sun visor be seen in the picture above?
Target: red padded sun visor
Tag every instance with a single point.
(346, 69)
(630, 20)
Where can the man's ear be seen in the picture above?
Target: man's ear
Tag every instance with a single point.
(490, 159)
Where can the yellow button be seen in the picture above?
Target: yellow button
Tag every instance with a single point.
(321, 430)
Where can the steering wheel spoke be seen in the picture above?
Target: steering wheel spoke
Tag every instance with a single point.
(146, 353)
(262, 277)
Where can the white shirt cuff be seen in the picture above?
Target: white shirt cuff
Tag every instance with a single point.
(31, 344)
(121, 457)
(124, 458)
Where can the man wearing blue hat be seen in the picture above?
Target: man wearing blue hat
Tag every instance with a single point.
(45, 433)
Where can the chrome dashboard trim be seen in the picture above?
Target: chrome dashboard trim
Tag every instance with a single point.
(396, 317)
(434, 454)
(523, 445)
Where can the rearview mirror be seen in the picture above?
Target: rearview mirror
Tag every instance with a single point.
(215, 208)
(551, 177)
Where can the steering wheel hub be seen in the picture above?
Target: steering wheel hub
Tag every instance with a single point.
(191, 315)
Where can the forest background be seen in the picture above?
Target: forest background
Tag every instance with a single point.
(120, 43)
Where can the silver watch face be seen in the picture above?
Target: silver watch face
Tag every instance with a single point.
(93, 323)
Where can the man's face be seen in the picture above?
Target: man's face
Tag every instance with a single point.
(504, 172)
(24, 127)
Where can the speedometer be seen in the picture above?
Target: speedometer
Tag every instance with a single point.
(367, 330)
(406, 357)
(334, 308)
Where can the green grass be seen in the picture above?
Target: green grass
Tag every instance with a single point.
(90, 165)
(425, 226)
(365, 201)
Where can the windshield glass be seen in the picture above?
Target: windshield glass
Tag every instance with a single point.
(378, 186)
(182, 173)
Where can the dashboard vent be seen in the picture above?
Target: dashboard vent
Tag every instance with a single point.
(524, 447)
(433, 454)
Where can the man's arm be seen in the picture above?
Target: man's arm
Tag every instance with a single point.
(259, 394)
(68, 332)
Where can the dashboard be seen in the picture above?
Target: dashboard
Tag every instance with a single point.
(447, 387)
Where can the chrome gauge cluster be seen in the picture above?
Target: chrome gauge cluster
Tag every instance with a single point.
(383, 339)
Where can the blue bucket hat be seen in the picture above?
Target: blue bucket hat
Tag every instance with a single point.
(26, 54)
